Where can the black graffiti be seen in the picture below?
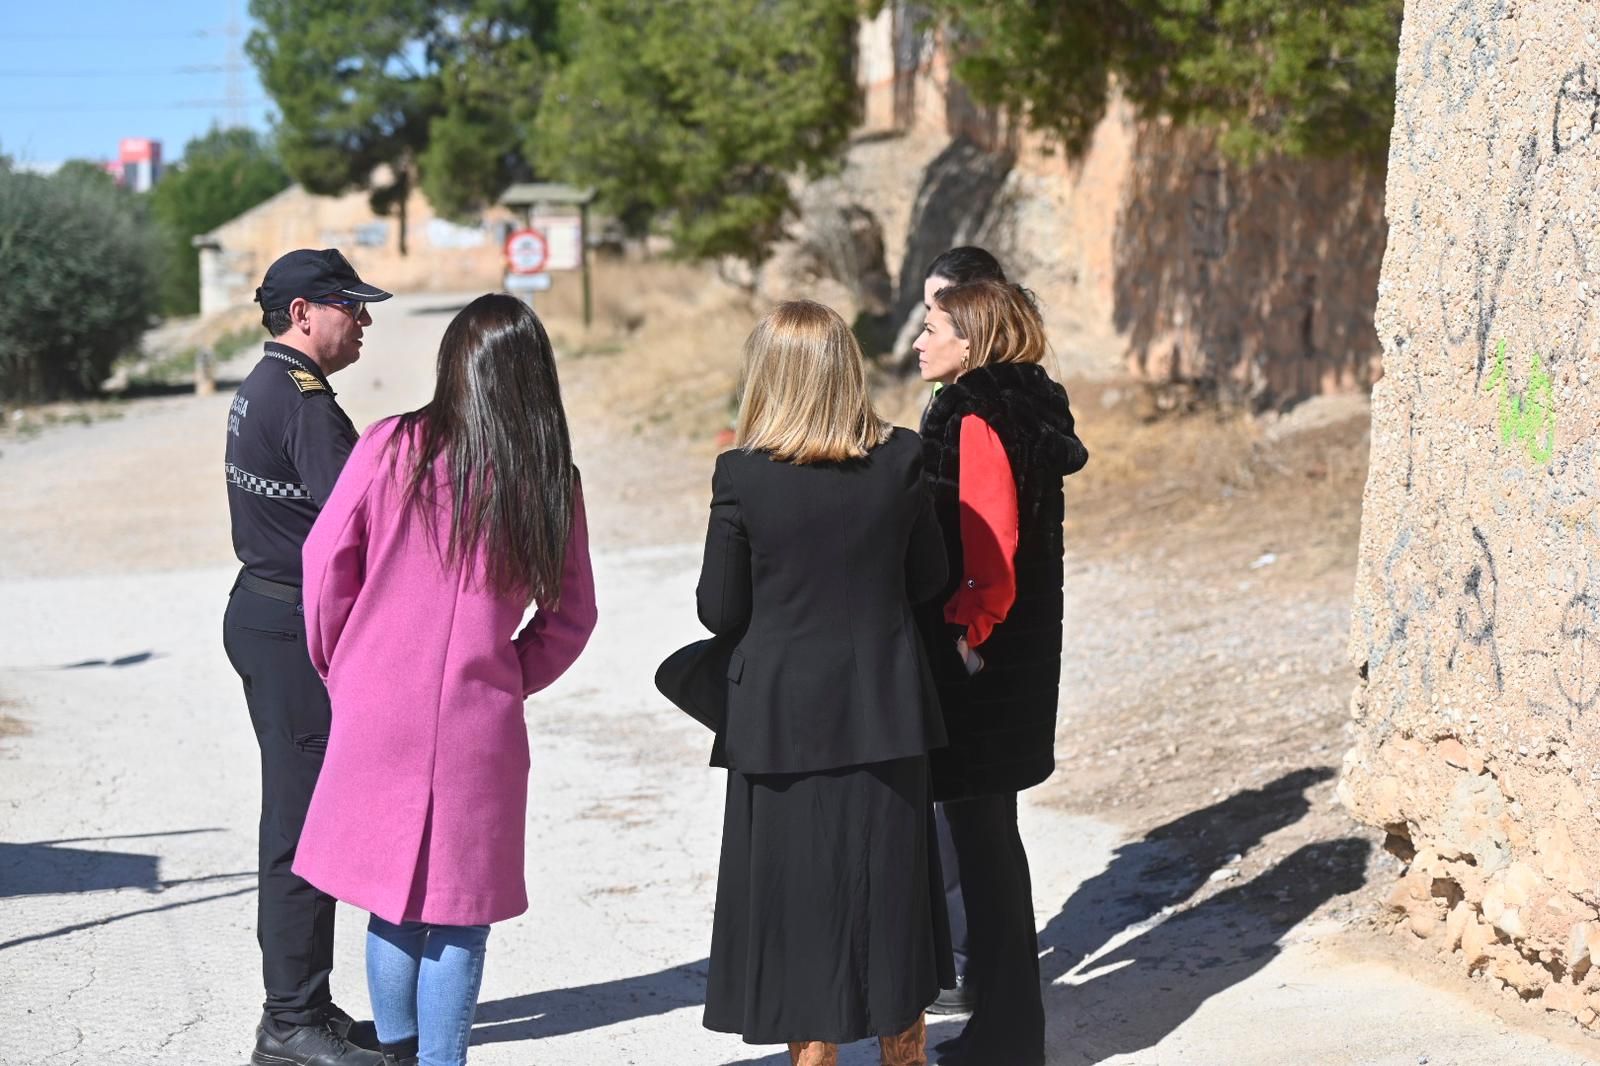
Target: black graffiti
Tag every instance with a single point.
(1562, 250)
(1485, 256)
(1462, 27)
(1491, 253)
(1400, 596)
(1405, 667)
(1577, 111)
(1475, 615)
(1577, 660)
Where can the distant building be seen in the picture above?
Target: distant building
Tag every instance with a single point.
(138, 164)
(444, 256)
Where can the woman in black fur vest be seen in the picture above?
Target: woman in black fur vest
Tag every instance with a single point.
(997, 440)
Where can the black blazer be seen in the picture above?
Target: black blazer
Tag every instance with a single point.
(820, 564)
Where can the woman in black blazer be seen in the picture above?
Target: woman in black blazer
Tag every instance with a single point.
(830, 922)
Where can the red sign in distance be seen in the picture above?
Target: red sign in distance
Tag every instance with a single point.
(526, 251)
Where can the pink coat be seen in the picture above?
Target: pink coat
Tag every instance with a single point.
(420, 808)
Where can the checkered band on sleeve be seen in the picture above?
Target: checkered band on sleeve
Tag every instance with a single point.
(281, 490)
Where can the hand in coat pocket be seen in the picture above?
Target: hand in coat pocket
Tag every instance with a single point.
(971, 660)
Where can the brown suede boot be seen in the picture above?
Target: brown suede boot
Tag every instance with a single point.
(908, 1048)
(813, 1053)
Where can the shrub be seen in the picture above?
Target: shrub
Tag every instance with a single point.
(79, 262)
(223, 174)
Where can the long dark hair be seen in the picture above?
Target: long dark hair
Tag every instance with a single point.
(497, 419)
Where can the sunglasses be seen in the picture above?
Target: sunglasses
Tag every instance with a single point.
(355, 308)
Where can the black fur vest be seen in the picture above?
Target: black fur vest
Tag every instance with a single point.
(1002, 720)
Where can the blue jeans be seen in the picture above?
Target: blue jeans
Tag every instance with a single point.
(423, 982)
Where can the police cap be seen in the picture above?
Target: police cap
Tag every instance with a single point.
(311, 274)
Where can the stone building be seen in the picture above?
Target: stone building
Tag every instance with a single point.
(1476, 629)
(1151, 252)
(441, 255)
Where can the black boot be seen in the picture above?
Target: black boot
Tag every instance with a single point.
(402, 1054)
(954, 1001)
(361, 1034)
(307, 1045)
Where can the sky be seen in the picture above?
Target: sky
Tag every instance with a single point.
(77, 77)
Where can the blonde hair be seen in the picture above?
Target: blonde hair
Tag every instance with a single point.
(805, 388)
(998, 320)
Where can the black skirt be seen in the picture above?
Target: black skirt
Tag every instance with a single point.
(830, 920)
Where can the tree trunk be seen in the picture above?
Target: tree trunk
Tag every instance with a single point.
(403, 180)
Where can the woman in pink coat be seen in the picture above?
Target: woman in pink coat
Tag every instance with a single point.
(445, 525)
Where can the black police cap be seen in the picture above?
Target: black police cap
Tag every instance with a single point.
(313, 274)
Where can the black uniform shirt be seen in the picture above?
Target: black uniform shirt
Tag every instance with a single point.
(287, 441)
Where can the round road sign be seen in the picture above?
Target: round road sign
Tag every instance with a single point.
(526, 251)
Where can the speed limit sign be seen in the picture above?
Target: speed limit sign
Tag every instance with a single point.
(526, 251)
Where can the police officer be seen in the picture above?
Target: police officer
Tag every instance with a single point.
(287, 441)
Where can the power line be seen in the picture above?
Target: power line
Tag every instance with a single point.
(193, 68)
(219, 105)
(234, 66)
(130, 38)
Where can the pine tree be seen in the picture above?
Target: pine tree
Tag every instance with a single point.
(696, 114)
(1311, 78)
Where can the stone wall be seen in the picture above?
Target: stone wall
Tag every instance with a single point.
(1476, 628)
(1259, 281)
(1151, 253)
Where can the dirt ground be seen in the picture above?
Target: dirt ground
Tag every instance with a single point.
(1210, 563)
(1205, 705)
(1212, 721)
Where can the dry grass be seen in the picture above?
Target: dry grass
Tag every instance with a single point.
(651, 383)
(1220, 485)
(662, 354)
(10, 726)
(648, 386)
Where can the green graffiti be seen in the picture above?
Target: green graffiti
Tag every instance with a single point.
(1528, 417)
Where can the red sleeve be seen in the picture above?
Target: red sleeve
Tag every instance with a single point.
(988, 496)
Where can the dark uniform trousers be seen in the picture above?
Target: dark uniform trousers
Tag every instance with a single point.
(1007, 1026)
(266, 641)
(954, 905)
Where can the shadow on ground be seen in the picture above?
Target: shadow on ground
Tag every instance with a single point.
(1138, 993)
(1168, 865)
(47, 868)
(1122, 968)
(118, 663)
(1108, 998)
(569, 1010)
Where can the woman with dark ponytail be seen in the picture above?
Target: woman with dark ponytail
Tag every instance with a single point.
(998, 438)
(956, 266)
(445, 525)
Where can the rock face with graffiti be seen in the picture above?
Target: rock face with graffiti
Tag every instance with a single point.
(1476, 632)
